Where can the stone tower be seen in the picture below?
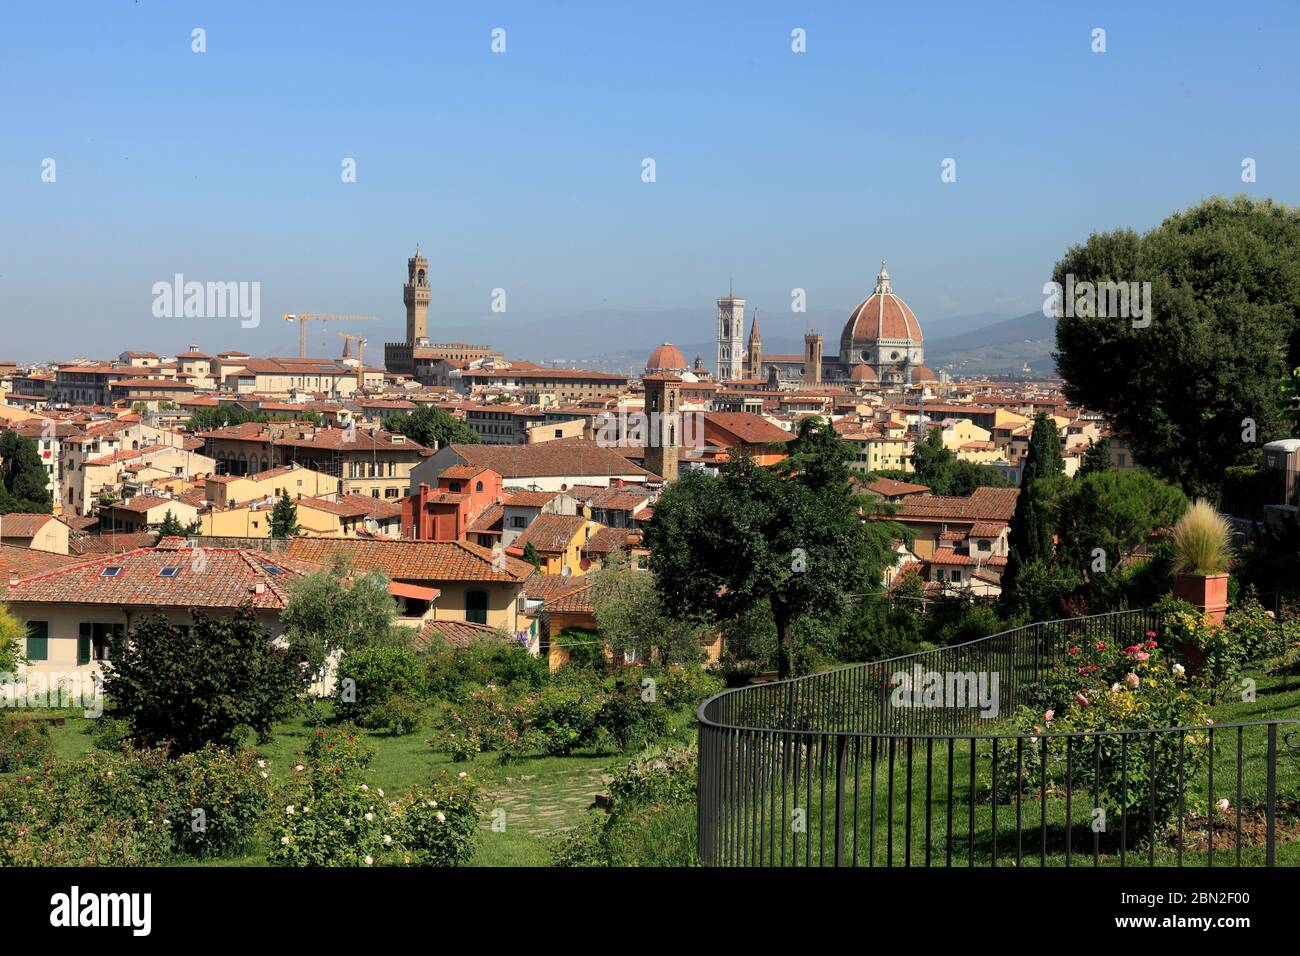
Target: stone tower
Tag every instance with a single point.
(812, 358)
(754, 355)
(415, 294)
(731, 337)
(664, 436)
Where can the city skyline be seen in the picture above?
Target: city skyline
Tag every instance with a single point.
(522, 170)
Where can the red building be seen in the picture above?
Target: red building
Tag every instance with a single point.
(446, 512)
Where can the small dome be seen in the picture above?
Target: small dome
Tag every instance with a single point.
(863, 373)
(666, 358)
(922, 374)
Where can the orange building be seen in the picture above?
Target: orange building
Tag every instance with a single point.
(445, 513)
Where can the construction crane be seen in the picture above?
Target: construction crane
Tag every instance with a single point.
(361, 364)
(304, 318)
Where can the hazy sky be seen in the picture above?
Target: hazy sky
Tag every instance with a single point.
(523, 170)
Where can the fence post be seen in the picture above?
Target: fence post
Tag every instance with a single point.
(841, 751)
(1271, 798)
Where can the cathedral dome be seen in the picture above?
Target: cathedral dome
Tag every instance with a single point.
(863, 373)
(881, 329)
(666, 358)
(922, 374)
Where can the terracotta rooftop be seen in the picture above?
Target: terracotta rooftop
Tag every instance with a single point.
(413, 560)
(459, 634)
(576, 457)
(983, 504)
(550, 533)
(203, 577)
(23, 524)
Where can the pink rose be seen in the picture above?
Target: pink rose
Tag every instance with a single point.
(1083, 701)
(1132, 680)
(1049, 716)
(1142, 656)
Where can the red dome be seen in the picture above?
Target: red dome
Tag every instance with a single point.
(666, 358)
(863, 373)
(922, 374)
(880, 316)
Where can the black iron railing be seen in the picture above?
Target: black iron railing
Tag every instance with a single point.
(892, 763)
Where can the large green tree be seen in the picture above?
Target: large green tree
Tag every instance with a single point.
(789, 536)
(1196, 389)
(190, 687)
(431, 427)
(22, 476)
(1114, 511)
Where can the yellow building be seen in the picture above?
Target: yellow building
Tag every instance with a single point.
(560, 541)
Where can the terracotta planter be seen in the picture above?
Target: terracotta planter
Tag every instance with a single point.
(1209, 592)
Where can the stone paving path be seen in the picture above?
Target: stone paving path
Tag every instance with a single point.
(545, 806)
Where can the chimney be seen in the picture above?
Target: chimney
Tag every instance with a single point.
(13, 578)
(259, 587)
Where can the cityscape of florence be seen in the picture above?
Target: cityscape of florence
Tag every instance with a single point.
(805, 435)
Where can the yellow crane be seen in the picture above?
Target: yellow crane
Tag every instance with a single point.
(361, 351)
(303, 318)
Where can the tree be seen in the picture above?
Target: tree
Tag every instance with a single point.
(790, 536)
(284, 517)
(172, 528)
(939, 469)
(431, 427)
(12, 633)
(1096, 458)
(331, 611)
(1031, 524)
(23, 478)
(630, 616)
(1194, 386)
(1111, 512)
(190, 687)
(532, 555)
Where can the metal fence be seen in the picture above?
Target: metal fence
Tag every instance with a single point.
(856, 766)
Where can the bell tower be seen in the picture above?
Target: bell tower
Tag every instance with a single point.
(415, 295)
(754, 357)
(731, 337)
(812, 358)
(662, 404)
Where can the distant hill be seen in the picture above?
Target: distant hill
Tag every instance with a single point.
(1005, 346)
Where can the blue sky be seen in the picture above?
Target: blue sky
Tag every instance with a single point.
(522, 170)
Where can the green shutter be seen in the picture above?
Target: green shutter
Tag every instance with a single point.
(38, 640)
(83, 643)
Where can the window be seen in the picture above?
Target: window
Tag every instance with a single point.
(111, 571)
(476, 607)
(169, 572)
(94, 641)
(38, 640)
(271, 569)
(478, 486)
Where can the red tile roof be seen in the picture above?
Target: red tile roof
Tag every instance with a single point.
(20, 524)
(550, 533)
(460, 634)
(205, 577)
(412, 560)
(984, 504)
(569, 457)
(28, 562)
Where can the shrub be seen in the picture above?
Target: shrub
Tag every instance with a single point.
(687, 687)
(103, 810)
(399, 715)
(328, 816)
(565, 718)
(24, 743)
(1202, 540)
(370, 677)
(230, 793)
(631, 721)
(1148, 693)
(451, 672)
